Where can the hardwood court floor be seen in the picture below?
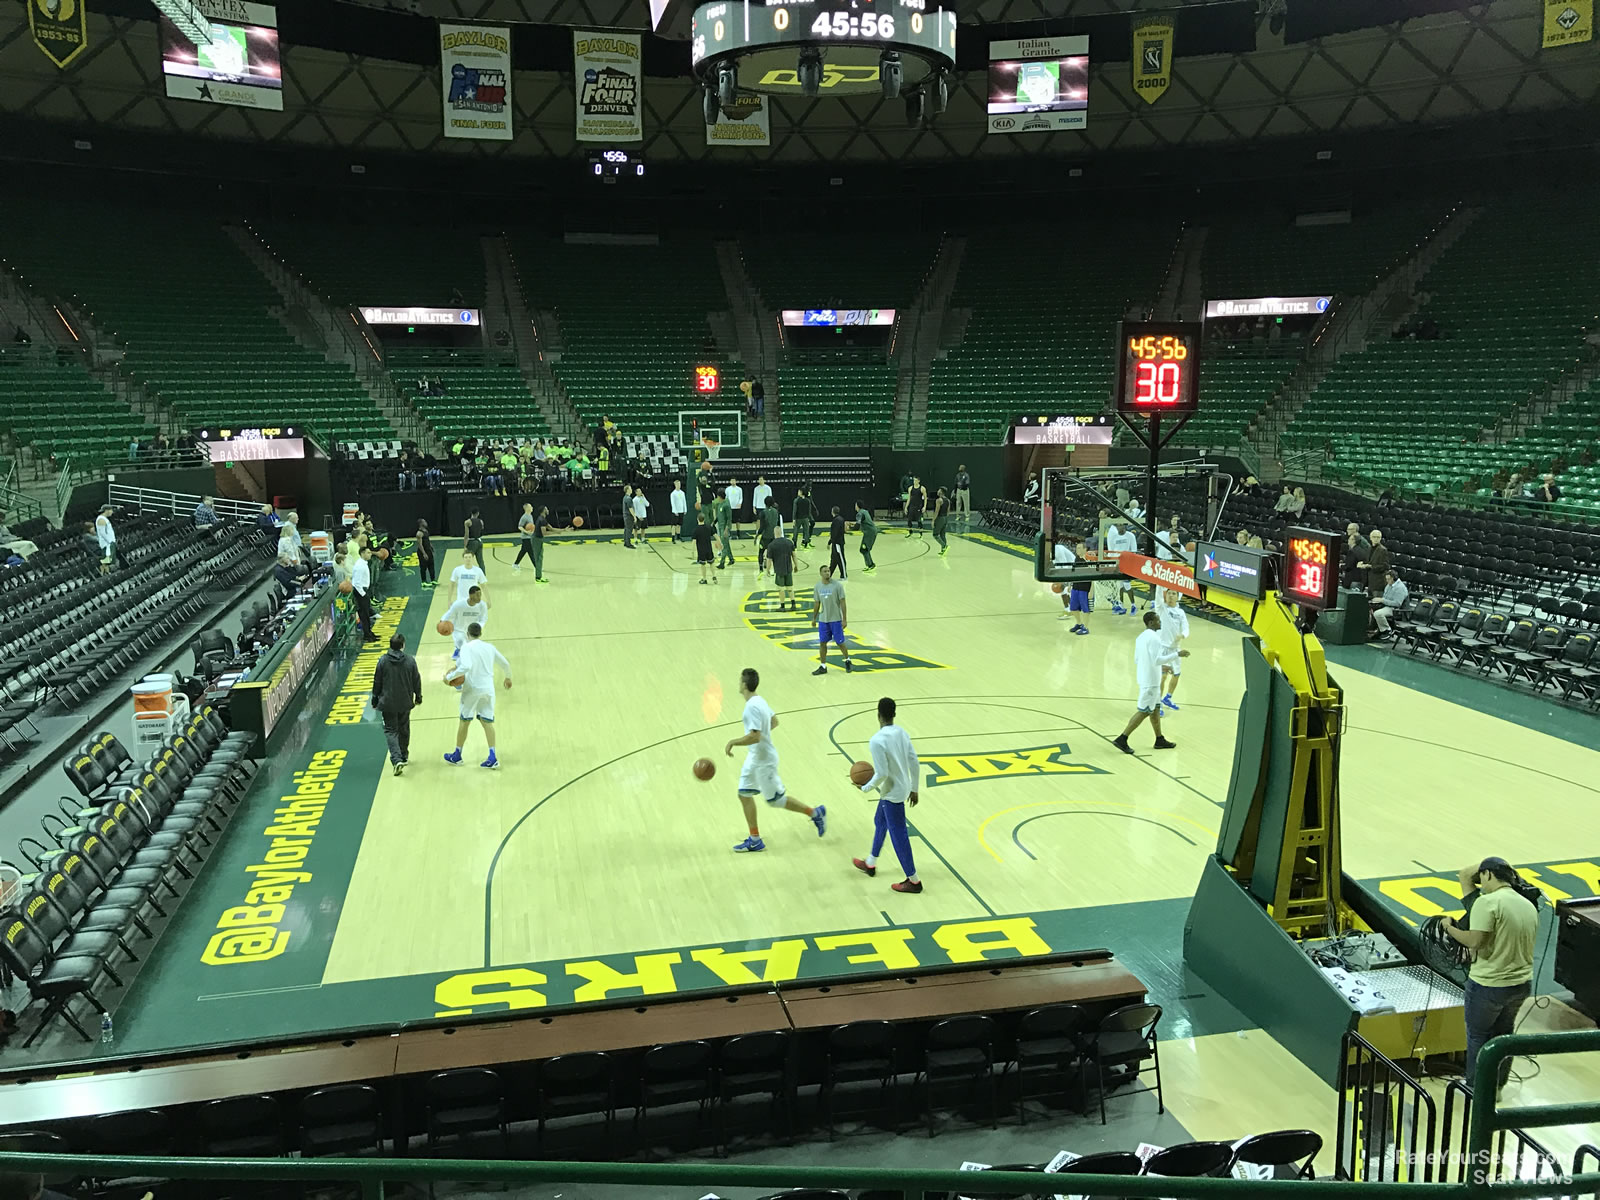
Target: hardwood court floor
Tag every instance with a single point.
(594, 838)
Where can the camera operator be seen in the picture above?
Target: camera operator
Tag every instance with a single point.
(1501, 924)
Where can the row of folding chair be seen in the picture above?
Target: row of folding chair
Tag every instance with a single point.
(109, 863)
(1514, 650)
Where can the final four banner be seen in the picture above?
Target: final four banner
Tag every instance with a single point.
(747, 123)
(1152, 56)
(475, 75)
(1568, 22)
(605, 67)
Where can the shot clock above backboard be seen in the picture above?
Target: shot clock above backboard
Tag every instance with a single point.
(1158, 368)
(1310, 568)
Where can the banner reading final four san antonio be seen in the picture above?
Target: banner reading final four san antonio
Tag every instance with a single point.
(475, 71)
(605, 67)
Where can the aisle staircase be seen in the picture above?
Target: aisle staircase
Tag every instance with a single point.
(337, 333)
(921, 339)
(759, 346)
(1351, 325)
(532, 340)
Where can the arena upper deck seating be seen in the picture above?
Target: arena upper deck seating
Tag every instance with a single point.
(1510, 312)
(485, 395)
(438, 266)
(840, 403)
(1044, 313)
(1237, 381)
(844, 272)
(202, 338)
(53, 404)
(1257, 253)
(633, 321)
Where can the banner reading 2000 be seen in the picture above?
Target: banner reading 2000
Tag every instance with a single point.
(607, 76)
(475, 70)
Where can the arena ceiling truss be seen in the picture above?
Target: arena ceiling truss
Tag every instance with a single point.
(1429, 70)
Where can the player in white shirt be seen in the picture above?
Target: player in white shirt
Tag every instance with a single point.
(1174, 628)
(1119, 539)
(641, 512)
(758, 498)
(760, 774)
(471, 611)
(1149, 655)
(474, 672)
(467, 576)
(679, 502)
(735, 497)
(895, 776)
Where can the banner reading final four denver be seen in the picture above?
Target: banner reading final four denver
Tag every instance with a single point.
(475, 76)
(605, 67)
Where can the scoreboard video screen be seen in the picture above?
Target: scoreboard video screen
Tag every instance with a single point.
(1063, 431)
(238, 62)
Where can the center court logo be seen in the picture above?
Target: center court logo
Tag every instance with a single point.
(1005, 764)
(796, 631)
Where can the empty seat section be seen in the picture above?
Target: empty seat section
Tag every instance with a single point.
(369, 263)
(837, 404)
(633, 323)
(841, 272)
(55, 406)
(1042, 331)
(1510, 314)
(484, 392)
(200, 335)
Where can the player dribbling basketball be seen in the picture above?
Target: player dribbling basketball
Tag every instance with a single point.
(759, 776)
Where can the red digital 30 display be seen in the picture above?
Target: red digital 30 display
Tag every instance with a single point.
(1158, 368)
(1310, 568)
(707, 379)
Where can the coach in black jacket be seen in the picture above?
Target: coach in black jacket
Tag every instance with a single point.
(396, 690)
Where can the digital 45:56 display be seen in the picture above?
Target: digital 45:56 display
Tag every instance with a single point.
(1158, 368)
(1310, 568)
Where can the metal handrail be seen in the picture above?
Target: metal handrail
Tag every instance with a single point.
(180, 504)
(373, 1173)
(1488, 1117)
(63, 487)
(19, 504)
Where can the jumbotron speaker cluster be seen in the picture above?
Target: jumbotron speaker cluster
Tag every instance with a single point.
(899, 48)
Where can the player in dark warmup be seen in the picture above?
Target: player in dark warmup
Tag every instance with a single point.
(836, 544)
(916, 505)
(941, 519)
(804, 515)
(780, 553)
(869, 535)
(768, 520)
(703, 552)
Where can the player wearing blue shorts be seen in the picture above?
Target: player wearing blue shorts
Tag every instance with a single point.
(1078, 598)
(828, 611)
(760, 774)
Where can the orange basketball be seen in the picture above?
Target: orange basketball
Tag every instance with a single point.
(345, 586)
(577, 523)
(383, 552)
(1189, 546)
(860, 772)
(1058, 588)
(446, 628)
(704, 769)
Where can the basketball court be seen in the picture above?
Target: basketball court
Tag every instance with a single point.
(593, 864)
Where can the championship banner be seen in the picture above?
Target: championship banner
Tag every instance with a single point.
(747, 123)
(59, 27)
(1152, 56)
(605, 68)
(475, 74)
(1567, 22)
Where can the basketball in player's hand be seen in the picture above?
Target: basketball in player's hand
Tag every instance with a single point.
(1189, 546)
(704, 769)
(383, 552)
(446, 628)
(860, 773)
(577, 522)
(1058, 588)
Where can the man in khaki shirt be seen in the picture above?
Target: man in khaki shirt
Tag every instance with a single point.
(1500, 930)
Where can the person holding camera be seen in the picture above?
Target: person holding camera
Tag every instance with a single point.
(1500, 929)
